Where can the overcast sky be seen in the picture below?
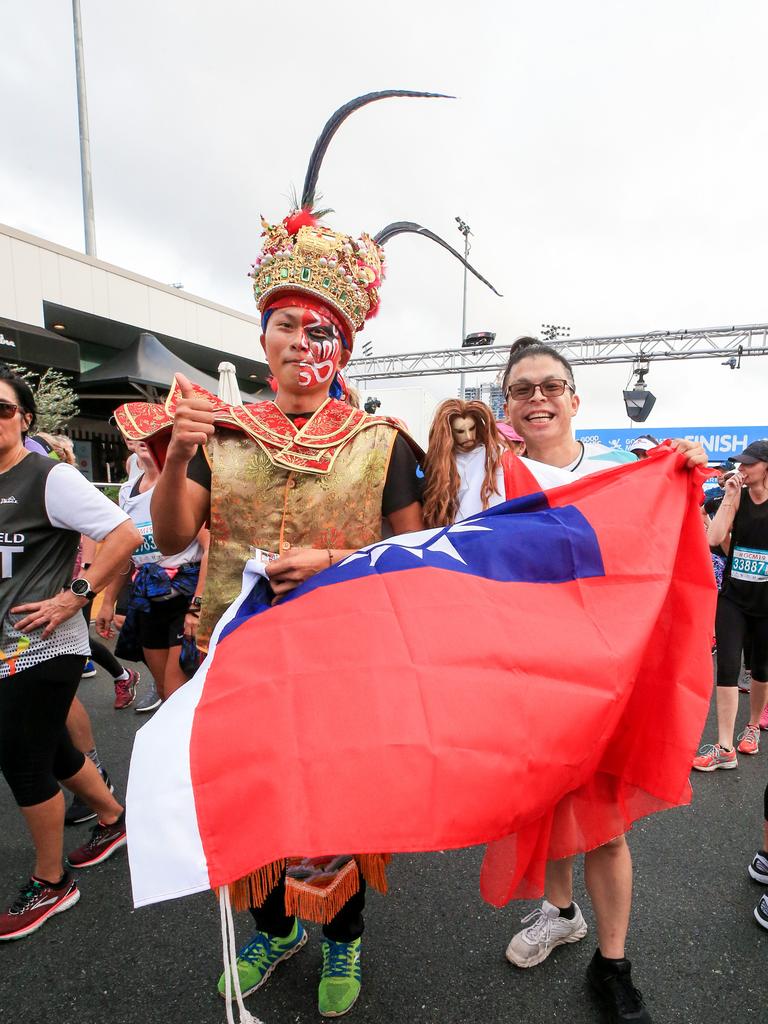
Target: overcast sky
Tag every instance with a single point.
(610, 158)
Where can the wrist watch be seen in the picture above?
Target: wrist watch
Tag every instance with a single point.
(195, 603)
(82, 588)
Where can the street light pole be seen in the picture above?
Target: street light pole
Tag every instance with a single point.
(464, 230)
(85, 146)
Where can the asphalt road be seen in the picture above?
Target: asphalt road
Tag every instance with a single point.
(432, 952)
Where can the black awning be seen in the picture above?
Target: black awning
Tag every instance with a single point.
(36, 347)
(147, 363)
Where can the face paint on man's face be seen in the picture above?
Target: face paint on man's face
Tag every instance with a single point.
(321, 340)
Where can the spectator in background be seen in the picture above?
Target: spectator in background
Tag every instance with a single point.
(165, 597)
(642, 445)
(510, 438)
(740, 528)
(125, 680)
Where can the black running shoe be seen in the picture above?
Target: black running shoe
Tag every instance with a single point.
(78, 811)
(612, 981)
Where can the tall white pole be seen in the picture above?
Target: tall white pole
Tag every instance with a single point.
(85, 146)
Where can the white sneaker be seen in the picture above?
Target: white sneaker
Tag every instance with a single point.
(534, 943)
(758, 869)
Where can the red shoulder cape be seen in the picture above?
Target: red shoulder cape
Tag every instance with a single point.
(311, 448)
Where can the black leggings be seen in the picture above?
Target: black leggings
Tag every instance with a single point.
(732, 627)
(346, 926)
(35, 748)
(104, 657)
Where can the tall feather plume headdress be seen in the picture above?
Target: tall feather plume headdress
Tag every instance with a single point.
(302, 255)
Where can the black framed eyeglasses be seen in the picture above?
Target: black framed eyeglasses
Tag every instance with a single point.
(553, 387)
(8, 410)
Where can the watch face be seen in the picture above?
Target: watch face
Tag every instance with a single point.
(80, 588)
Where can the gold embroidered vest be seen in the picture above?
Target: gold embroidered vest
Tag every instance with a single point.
(257, 504)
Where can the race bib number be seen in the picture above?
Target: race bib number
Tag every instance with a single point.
(148, 552)
(750, 565)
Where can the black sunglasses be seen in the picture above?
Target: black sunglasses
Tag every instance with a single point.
(8, 410)
(552, 388)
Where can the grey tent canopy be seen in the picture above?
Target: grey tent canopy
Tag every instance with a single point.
(147, 367)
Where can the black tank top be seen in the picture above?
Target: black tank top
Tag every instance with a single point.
(745, 581)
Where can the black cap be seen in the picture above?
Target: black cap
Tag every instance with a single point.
(757, 451)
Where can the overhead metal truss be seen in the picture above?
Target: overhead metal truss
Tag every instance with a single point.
(712, 343)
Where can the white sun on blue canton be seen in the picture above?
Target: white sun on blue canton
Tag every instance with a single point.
(416, 544)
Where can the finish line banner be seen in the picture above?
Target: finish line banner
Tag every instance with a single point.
(718, 442)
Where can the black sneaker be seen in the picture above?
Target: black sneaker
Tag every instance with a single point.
(612, 981)
(78, 812)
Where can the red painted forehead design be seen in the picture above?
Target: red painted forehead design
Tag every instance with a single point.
(313, 311)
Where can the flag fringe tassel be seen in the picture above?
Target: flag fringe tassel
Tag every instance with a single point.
(373, 867)
(320, 905)
(253, 889)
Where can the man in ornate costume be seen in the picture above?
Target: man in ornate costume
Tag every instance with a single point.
(301, 482)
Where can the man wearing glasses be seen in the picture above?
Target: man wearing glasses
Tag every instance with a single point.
(541, 402)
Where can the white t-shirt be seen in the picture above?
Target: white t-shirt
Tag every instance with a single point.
(471, 468)
(137, 505)
(73, 503)
(595, 457)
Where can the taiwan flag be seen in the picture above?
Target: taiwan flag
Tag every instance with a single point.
(535, 678)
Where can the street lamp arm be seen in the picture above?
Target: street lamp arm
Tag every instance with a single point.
(402, 227)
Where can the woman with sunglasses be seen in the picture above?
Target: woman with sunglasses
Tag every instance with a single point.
(44, 508)
(541, 402)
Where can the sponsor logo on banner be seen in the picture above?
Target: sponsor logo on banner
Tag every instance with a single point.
(718, 442)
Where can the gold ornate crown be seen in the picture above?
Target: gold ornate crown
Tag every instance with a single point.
(302, 255)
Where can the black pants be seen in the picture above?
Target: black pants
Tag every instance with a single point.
(35, 749)
(347, 925)
(733, 627)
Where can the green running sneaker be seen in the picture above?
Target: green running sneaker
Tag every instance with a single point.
(340, 979)
(259, 957)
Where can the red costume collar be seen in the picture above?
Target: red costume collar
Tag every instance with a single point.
(311, 449)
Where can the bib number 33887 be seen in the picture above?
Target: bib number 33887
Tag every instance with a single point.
(750, 565)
